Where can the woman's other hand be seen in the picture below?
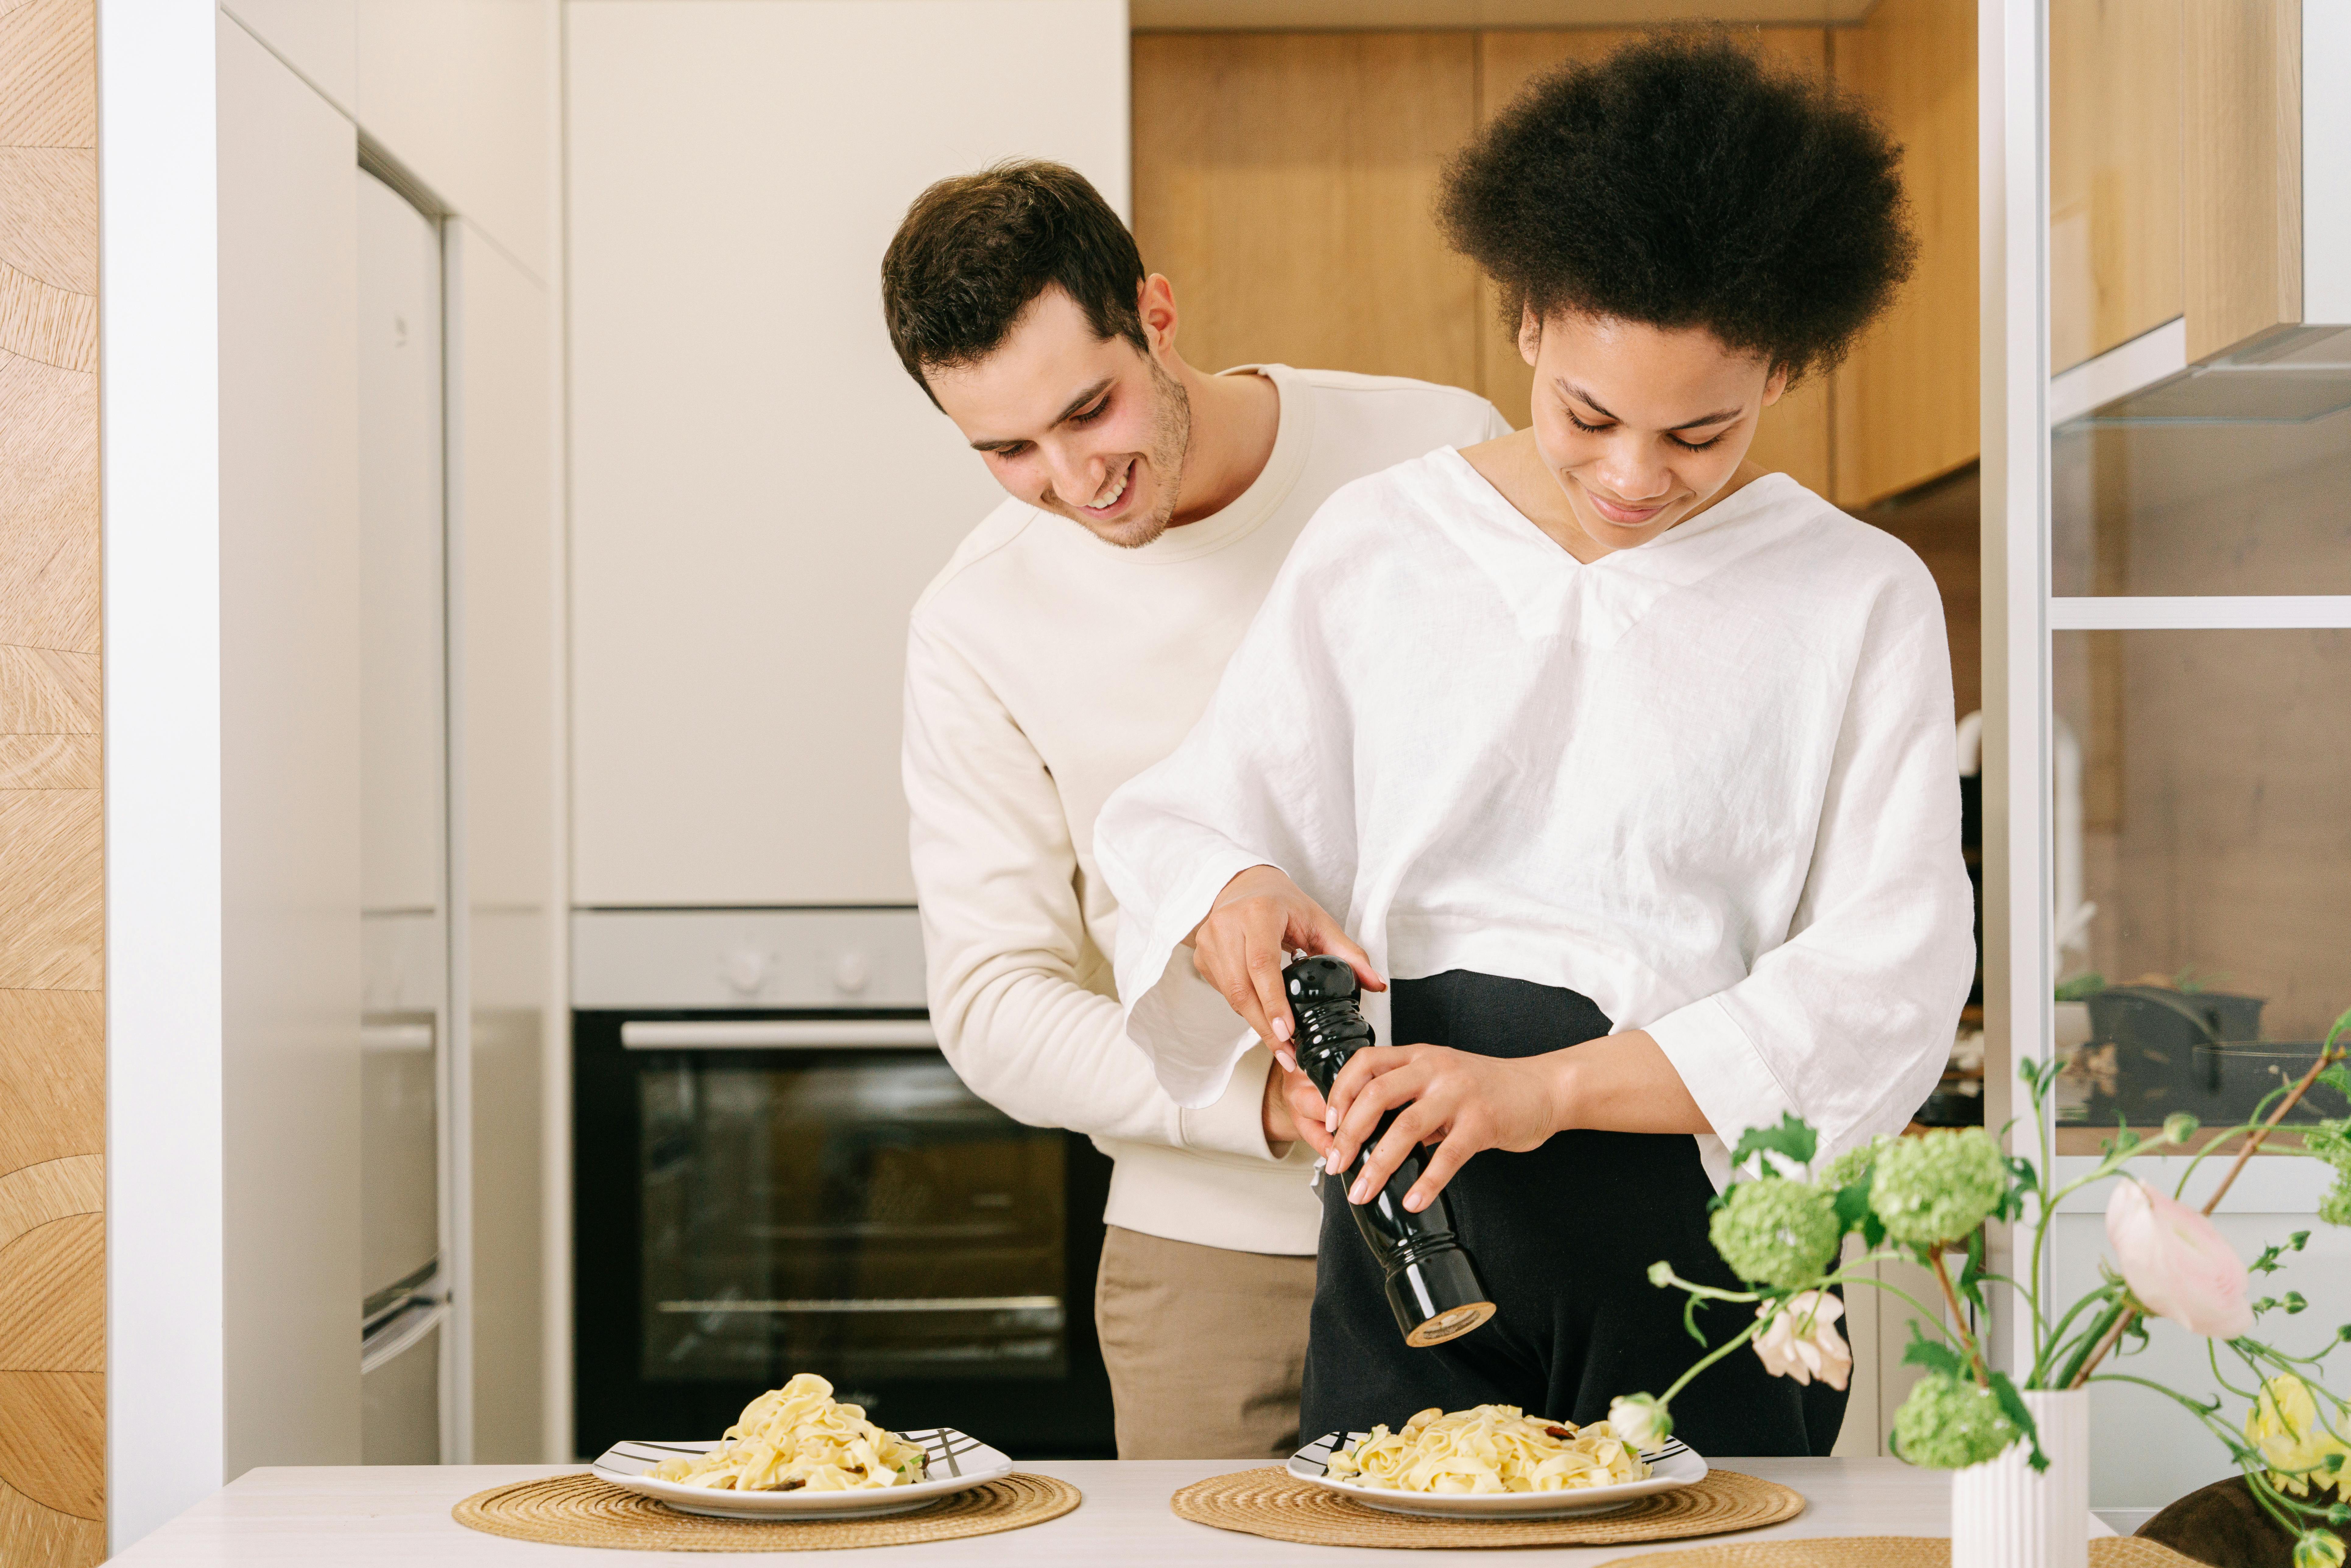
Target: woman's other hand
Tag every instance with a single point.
(1460, 1102)
(1258, 920)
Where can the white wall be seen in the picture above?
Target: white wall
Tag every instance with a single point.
(159, 389)
(290, 763)
(758, 492)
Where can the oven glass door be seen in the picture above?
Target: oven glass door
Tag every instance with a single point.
(862, 1212)
(826, 1196)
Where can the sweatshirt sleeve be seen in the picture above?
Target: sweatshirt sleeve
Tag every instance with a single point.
(1003, 933)
(1262, 780)
(1848, 1022)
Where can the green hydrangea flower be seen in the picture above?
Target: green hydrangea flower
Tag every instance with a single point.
(2331, 1142)
(1947, 1424)
(1938, 1188)
(1853, 1164)
(1777, 1232)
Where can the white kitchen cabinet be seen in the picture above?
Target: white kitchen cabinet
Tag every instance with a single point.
(289, 765)
(758, 492)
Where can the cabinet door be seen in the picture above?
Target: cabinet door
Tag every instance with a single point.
(759, 491)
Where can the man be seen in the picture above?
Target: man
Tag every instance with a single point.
(1070, 643)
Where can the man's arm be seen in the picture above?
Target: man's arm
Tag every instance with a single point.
(995, 871)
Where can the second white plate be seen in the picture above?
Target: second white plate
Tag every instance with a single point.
(1675, 1465)
(957, 1462)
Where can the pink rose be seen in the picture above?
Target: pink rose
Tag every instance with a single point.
(2176, 1263)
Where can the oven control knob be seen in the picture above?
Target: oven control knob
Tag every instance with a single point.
(745, 970)
(852, 972)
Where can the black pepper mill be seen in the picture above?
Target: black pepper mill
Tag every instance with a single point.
(1432, 1286)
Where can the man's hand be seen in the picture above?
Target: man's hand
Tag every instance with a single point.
(1293, 1108)
(1258, 920)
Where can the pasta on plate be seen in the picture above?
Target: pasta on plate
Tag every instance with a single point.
(796, 1436)
(1494, 1448)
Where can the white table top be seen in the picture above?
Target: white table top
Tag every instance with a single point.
(360, 1515)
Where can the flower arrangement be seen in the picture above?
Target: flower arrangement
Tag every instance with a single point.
(1926, 1199)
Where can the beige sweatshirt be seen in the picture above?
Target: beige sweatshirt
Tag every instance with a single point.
(1045, 668)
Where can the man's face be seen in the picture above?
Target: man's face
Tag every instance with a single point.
(1641, 426)
(1081, 426)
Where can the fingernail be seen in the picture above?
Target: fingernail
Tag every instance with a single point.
(1288, 1063)
(1415, 1202)
(1358, 1192)
(1281, 1029)
(1329, 1118)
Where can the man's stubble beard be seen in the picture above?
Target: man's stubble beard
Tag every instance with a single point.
(1171, 438)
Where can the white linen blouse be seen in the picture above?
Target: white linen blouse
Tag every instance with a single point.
(1709, 783)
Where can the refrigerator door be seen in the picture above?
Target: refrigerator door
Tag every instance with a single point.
(399, 1388)
(400, 1213)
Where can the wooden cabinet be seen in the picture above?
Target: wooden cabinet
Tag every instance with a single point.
(1283, 182)
(2177, 172)
(2115, 101)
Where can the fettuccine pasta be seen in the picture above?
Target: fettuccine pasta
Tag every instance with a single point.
(797, 1437)
(1494, 1448)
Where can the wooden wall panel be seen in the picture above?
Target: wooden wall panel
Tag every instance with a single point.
(52, 1024)
(1282, 182)
(1907, 400)
(2243, 96)
(2116, 110)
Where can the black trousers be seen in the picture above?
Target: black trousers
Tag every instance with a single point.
(1563, 1237)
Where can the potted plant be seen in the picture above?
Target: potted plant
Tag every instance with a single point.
(2019, 1446)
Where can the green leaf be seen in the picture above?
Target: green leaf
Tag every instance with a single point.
(1794, 1137)
(2338, 1078)
(2012, 1403)
(1852, 1206)
(2081, 987)
(1689, 1320)
(1933, 1354)
(1971, 1275)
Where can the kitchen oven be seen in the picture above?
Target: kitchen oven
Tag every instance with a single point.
(776, 1171)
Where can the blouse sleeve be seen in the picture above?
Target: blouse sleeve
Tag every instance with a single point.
(1849, 1021)
(1264, 778)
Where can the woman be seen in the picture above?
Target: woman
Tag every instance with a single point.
(1634, 763)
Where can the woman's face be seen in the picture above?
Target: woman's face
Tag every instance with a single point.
(1642, 426)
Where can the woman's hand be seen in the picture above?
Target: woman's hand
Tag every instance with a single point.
(1258, 920)
(1458, 1101)
(1463, 1103)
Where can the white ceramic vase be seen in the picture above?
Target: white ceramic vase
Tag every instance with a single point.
(2006, 1514)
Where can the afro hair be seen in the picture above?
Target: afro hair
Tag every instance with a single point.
(1679, 182)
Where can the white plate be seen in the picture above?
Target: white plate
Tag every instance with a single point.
(1675, 1465)
(958, 1463)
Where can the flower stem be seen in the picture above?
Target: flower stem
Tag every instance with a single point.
(2327, 1057)
(1959, 1320)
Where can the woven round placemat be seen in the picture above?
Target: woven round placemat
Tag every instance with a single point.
(1883, 1551)
(582, 1510)
(1274, 1503)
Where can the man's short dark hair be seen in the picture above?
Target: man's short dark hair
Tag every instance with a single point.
(975, 250)
(1679, 182)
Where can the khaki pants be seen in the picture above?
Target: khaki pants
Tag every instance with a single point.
(1205, 1347)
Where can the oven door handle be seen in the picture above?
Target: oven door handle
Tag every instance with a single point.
(778, 1034)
